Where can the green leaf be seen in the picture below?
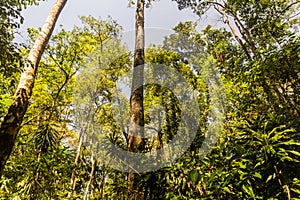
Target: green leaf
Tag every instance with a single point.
(257, 175)
(248, 189)
(193, 176)
(270, 177)
(297, 153)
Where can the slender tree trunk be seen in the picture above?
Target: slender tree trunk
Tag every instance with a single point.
(13, 120)
(102, 183)
(73, 176)
(84, 128)
(92, 176)
(233, 31)
(136, 128)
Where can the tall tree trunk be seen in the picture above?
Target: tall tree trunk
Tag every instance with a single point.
(92, 176)
(136, 128)
(13, 120)
(73, 176)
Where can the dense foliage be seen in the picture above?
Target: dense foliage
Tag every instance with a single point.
(257, 155)
(10, 20)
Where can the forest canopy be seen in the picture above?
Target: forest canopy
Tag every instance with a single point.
(230, 94)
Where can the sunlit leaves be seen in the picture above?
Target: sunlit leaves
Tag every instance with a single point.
(257, 155)
(10, 20)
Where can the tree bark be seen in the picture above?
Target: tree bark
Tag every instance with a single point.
(136, 128)
(92, 176)
(73, 176)
(13, 120)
